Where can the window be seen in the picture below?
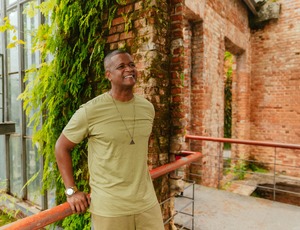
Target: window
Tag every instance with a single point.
(2, 138)
(19, 158)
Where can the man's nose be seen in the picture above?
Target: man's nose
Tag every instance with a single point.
(130, 67)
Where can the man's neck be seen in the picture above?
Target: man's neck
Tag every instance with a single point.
(121, 95)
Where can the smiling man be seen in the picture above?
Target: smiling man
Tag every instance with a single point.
(117, 125)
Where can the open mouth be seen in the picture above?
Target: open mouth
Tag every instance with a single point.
(129, 76)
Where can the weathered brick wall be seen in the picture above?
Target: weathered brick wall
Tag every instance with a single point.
(275, 88)
(202, 31)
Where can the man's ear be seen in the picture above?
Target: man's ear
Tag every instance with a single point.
(107, 75)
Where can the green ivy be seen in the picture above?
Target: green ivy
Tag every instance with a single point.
(81, 221)
(72, 50)
(240, 169)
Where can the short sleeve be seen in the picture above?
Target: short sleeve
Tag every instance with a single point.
(77, 128)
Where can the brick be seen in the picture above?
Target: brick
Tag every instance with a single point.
(113, 38)
(118, 21)
(126, 35)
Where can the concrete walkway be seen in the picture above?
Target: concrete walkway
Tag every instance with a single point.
(222, 210)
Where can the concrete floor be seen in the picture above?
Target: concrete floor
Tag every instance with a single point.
(222, 210)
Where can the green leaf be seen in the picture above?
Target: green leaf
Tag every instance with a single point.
(31, 179)
(11, 45)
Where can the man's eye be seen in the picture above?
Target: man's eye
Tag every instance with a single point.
(121, 67)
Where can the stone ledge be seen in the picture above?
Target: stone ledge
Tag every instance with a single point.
(268, 11)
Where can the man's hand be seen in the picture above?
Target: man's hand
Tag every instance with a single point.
(79, 202)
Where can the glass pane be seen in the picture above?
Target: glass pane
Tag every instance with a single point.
(14, 105)
(2, 163)
(29, 128)
(1, 90)
(30, 24)
(15, 166)
(12, 53)
(33, 113)
(2, 43)
(51, 198)
(9, 2)
(33, 167)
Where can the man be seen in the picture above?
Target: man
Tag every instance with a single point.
(118, 125)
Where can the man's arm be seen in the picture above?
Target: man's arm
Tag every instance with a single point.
(79, 201)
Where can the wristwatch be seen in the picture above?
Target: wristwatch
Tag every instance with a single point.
(71, 191)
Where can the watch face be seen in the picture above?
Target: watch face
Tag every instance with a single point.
(70, 191)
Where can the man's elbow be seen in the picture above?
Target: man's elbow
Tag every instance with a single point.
(57, 149)
(63, 146)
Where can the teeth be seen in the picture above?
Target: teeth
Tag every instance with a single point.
(129, 76)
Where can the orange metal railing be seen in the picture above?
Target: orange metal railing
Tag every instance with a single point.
(59, 212)
(246, 142)
(270, 180)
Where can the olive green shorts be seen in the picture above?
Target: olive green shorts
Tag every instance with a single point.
(148, 220)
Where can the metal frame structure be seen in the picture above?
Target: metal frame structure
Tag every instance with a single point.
(274, 163)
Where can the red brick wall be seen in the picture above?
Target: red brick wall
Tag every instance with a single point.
(202, 31)
(275, 88)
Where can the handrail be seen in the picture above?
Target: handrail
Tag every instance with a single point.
(247, 142)
(61, 211)
(276, 162)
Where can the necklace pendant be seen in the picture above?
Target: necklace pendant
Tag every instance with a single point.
(132, 142)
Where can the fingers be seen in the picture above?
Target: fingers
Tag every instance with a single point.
(79, 202)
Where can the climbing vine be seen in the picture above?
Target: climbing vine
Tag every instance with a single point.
(71, 72)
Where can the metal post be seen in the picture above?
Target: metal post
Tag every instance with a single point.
(274, 179)
(193, 207)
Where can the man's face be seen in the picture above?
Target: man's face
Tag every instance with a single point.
(121, 70)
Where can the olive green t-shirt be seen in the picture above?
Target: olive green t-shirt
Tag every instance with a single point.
(119, 177)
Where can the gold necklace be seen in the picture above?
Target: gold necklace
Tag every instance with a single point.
(131, 135)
